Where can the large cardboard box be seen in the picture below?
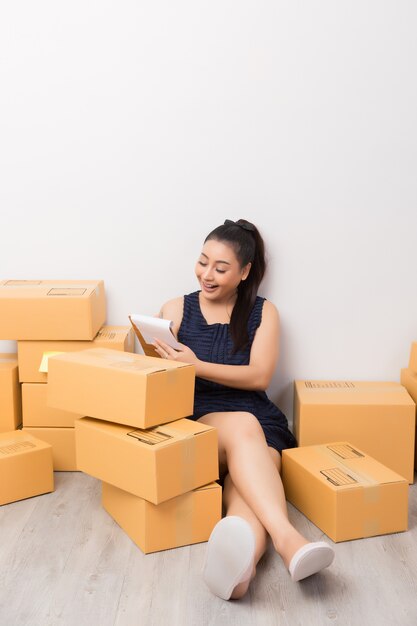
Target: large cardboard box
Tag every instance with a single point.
(51, 309)
(155, 464)
(31, 354)
(10, 396)
(412, 365)
(62, 441)
(409, 380)
(377, 417)
(25, 466)
(121, 387)
(180, 521)
(36, 413)
(345, 492)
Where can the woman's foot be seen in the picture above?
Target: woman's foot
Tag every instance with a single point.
(310, 559)
(302, 558)
(230, 558)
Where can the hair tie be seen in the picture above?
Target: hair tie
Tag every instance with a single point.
(247, 226)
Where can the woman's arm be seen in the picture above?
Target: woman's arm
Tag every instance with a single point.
(263, 357)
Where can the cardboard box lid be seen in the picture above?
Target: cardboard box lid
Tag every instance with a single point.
(137, 364)
(151, 438)
(26, 289)
(17, 442)
(351, 392)
(8, 360)
(342, 466)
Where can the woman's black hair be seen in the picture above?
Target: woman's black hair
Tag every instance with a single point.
(249, 247)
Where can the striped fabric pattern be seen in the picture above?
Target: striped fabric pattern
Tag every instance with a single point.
(213, 343)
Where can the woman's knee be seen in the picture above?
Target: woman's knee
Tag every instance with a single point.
(246, 426)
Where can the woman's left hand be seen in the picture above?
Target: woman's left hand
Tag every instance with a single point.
(184, 354)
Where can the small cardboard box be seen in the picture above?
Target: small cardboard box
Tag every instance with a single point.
(51, 309)
(180, 521)
(121, 387)
(409, 380)
(412, 365)
(62, 441)
(31, 354)
(155, 464)
(377, 417)
(36, 413)
(25, 467)
(10, 396)
(345, 492)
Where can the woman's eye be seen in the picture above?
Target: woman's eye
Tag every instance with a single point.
(202, 264)
(220, 271)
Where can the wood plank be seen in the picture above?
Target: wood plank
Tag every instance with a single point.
(64, 561)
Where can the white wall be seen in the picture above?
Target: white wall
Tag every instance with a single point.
(129, 129)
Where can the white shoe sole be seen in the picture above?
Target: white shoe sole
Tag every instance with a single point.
(230, 555)
(310, 559)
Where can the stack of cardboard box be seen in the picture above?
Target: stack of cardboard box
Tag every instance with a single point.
(356, 447)
(46, 317)
(377, 417)
(54, 425)
(409, 380)
(157, 468)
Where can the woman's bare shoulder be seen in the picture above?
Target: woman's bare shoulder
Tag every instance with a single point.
(269, 311)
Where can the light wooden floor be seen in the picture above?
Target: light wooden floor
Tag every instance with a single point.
(63, 561)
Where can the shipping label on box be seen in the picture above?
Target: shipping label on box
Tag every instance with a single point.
(10, 395)
(121, 387)
(155, 464)
(48, 309)
(25, 467)
(378, 417)
(180, 521)
(33, 354)
(345, 492)
(62, 441)
(36, 413)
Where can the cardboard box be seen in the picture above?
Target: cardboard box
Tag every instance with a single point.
(121, 387)
(377, 417)
(35, 411)
(155, 464)
(62, 441)
(180, 521)
(413, 358)
(32, 353)
(345, 492)
(51, 309)
(10, 397)
(25, 467)
(409, 380)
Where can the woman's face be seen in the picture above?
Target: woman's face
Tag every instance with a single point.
(218, 271)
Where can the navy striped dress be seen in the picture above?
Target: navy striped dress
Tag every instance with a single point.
(213, 343)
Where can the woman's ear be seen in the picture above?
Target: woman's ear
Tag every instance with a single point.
(246, 270)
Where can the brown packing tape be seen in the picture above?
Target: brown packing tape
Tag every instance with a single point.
(188, 478)
(184, 515)
(172, 376)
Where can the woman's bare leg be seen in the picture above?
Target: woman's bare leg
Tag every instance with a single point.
(243, 449)
(235, 505)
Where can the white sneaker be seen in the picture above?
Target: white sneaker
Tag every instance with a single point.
(230, 555)
(310, 559)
